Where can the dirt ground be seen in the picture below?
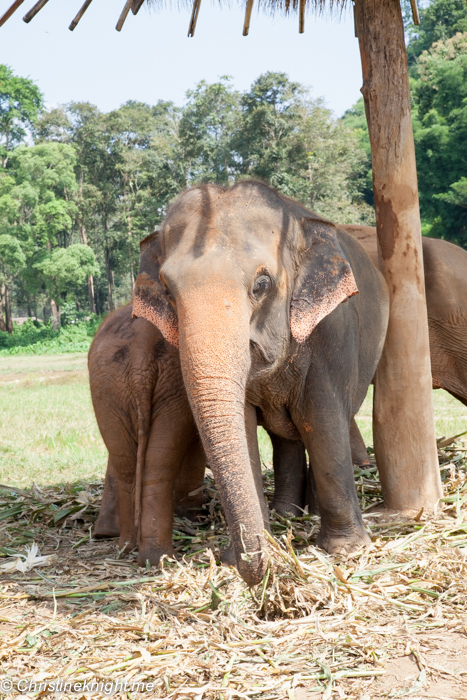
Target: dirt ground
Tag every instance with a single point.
(436, 669)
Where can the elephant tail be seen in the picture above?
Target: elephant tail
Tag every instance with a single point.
(144, 421)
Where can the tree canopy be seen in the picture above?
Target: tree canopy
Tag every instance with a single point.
(79, 188)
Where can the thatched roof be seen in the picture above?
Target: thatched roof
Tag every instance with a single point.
(287, 6)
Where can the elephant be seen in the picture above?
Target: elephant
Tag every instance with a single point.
(143, 414)
(249, 286)
(446, 298)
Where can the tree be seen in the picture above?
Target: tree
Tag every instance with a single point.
(440, 126)
(438, 22)
(21, 101)
(64, 270)
(293, 143)
(210, 116)
(12, 262)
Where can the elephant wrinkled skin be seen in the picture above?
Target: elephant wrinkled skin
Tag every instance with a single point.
(155, 456)
(249, 285)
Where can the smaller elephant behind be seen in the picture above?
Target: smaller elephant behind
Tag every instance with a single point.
(155, 456)
(445, 267)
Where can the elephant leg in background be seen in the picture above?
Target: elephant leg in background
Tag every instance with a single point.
(290, 475)
(164, 456)
(328, 445)
(251, 429)
(311, 497)
(107, 523)
(357, 446)
(189, 491)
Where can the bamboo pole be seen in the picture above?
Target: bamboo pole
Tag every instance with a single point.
(136, 6)
(6, 15)
(34, 10)
(194, 17)
(403, 420)
(123, 16)
(301, 17)
(415, 15)
(76, 20)
(246, 24)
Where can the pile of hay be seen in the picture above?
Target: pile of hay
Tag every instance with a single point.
(195, 629)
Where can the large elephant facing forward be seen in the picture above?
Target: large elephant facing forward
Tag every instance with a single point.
(249, 285)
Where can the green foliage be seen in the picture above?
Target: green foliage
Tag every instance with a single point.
(34, 338)
(66, 269)
(439, 21)
(440, 128)
(20, 104)
(12, 258)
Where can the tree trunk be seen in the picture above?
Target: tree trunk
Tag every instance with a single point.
(55, 309)
(405, 444)
(2, 308)
(8, 318)
(92, 305)
(44, 314)
(83, 238)
(97, 297)
(29, 306)
(109, 279)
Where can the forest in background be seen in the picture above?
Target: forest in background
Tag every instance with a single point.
(79, 188)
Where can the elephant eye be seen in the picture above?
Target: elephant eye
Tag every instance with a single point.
(262, 285)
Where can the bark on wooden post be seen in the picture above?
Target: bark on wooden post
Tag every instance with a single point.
(404, 433)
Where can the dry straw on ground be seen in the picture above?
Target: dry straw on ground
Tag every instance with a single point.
(324, 623)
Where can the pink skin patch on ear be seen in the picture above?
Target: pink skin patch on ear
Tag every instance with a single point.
(167, 326)
(305, 315)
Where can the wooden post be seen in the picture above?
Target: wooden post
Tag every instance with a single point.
(124, 15)
(137, 4)
(301, 17)
(194, 17)
(34, 10)
(6, 15)
(83, 9)
(404, 432)
(246, 23)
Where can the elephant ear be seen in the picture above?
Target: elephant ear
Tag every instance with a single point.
(324, 281)
(150, 300)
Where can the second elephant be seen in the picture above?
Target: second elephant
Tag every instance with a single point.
(446, 298)
(155, 456)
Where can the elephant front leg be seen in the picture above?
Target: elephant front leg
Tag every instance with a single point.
(328, 444)
(290, 475)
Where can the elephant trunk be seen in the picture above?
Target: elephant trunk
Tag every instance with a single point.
(214, 353)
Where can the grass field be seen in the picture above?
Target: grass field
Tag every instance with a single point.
(48, 433)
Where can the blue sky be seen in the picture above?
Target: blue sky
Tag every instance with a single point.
(152, 58)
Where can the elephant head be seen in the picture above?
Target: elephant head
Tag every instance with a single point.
(235, 279)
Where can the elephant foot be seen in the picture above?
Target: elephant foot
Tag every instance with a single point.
(343, 543)
(126, 544)
(148, 551)
(105, 527)
(286, 509)
(228, 557)
(361, 463)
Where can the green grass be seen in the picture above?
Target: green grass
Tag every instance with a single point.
(48, 433)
